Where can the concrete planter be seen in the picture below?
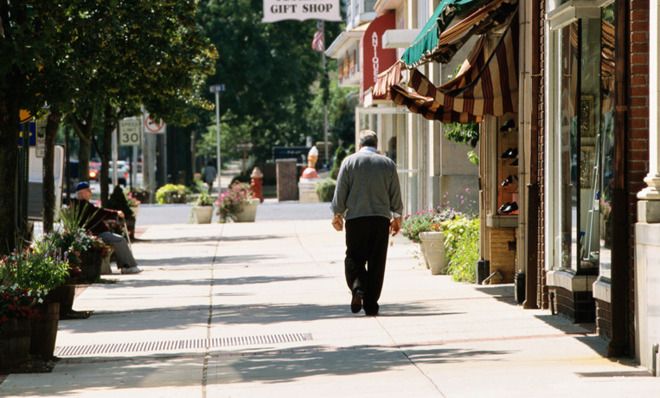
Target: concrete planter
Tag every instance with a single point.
(249, 212)
(433, 248)
(202, 214)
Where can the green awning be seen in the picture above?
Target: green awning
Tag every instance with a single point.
(428, 37)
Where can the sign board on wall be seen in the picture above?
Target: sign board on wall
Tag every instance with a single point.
(375, 58)
(280, 10)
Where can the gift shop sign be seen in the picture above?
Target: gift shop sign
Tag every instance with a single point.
(279, 10)
(375, 58)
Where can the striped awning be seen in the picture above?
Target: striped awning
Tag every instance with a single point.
(486, 84)
(434, 43)
(386, 79)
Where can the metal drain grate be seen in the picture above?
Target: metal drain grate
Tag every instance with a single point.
(177, 345)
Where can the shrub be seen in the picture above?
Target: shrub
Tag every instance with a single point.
(34, 270)
(326, 189)
(204, 199)
(171, 193)
(426, 221)
(462, 247)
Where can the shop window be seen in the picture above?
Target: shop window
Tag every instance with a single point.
(581, 128)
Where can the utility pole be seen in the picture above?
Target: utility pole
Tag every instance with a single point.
(217, 89)
(326, 90)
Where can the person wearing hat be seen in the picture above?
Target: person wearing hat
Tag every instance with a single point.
(368, 197)
(93, 220)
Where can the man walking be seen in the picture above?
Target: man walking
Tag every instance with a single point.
(368, 197)
(93, 220)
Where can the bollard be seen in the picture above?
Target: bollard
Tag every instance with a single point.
(256, 184)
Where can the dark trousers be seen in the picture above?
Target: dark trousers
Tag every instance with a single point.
(366, 252)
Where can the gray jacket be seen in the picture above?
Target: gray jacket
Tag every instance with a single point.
(367, 185)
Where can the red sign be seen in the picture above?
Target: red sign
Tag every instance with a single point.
(375, 58)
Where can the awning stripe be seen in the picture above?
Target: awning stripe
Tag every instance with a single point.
(485, 85)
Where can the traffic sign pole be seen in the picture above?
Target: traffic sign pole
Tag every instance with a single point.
(217, 88)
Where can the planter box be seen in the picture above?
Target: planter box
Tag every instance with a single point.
(249, 212)
(433, 249)
(44, 330)
(202, 214)
(14, 343)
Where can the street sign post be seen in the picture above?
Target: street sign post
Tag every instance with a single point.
(130, 133)
(153, 126)
(217, 89)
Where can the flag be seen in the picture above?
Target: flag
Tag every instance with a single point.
(318, 42)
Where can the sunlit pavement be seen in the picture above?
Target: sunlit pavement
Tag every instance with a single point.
(261, 310)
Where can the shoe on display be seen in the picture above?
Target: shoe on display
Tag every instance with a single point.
(510, 153)
(508, 207)
(508, 125)
(510, 179)
(130, 270)
(515, 162)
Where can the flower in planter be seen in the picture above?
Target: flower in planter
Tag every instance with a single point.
(204, 199)
(34, 269)
(426, 221)
(17, 303)
(232, 201)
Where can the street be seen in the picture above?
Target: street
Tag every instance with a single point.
(261, 310)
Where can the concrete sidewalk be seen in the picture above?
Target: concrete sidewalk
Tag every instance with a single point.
(262, 310)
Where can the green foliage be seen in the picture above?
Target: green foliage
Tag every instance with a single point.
(462, 247)
(34, 270)
(72, 217)
(467, 133)
(269, 71)
(325, 189)
(171, 193)
(340, 154)
(426, 221)
(204, 199)
(17, 303)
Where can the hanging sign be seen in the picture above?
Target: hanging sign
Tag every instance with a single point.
(130, 133)
(280, 10)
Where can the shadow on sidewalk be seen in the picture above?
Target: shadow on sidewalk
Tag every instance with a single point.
(503, 293)
(246, 280)
(275, 313)
(209, 238)
(280, 366)
(219, 260)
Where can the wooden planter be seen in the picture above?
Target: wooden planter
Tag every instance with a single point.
(44, 330)
(90, 266)
(14, 343)
(433, 248)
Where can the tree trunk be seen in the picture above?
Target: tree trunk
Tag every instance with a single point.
(109, 124)
(8, 163)
(83, 129)
(48, 173)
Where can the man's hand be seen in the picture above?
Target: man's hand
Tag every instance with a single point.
(120, 214)
(338, 222)
(395, 225)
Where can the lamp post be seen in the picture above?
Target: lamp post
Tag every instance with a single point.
(217, 89)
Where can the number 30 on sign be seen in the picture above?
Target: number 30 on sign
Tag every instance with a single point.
(130, 131)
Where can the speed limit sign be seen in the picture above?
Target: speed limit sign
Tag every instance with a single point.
(130, 133)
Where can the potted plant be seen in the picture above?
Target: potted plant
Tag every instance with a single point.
(203, 209)
(426, 228)
(16, 311)
(237, 204)
(36, 270)
(171, 193)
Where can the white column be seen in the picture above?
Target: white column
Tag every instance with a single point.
(652, 191)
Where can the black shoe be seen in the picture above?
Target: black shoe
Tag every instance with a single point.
(510, 179)
(508, 207)
(510, 153)
(508, 125)
(515, 162)
(371, 310)
(356, 301)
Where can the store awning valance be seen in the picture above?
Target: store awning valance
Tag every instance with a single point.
(434, 43)
(486, 84)
(387, 79)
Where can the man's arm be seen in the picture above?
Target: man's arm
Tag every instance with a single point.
(396, 204)
(338, 205)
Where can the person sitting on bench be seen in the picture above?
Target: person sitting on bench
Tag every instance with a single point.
(93, 220)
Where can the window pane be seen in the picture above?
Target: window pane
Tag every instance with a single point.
(568, 161)
(606, 139)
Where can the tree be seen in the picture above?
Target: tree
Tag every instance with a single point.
(269, 71)
(28, 44)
